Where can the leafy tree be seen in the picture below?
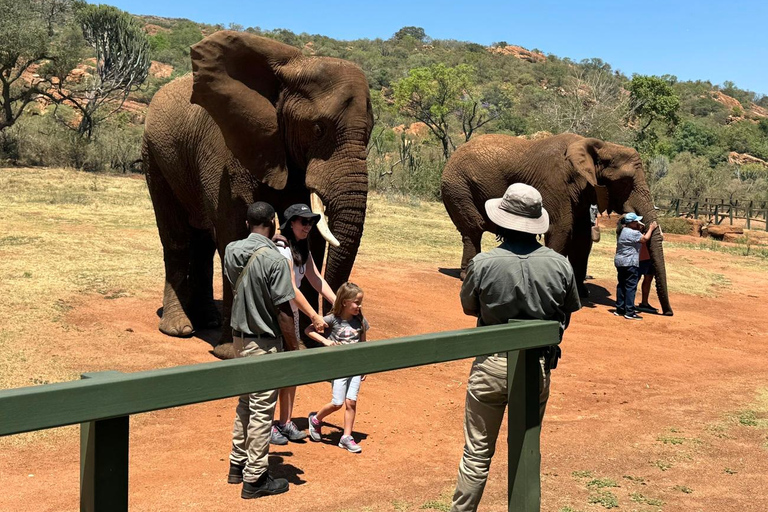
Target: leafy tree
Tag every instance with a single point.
(415, 32)
(122, 64)
(653, 98)
(432, 94)
(33, 40)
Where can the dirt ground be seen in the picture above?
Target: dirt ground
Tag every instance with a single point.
(664, 414)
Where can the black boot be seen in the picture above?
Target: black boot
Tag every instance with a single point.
(264, 486)
(235, 474)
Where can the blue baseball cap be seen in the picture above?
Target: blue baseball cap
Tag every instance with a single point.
(632, 217)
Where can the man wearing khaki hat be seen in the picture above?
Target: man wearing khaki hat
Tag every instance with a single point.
(520, 279)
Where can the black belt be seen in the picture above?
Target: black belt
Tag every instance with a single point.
(238, 334)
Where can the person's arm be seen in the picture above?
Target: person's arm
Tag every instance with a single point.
(303, 304)
(649, 232)
(312, 333)
(317, 281)
(285, 320)
(470, 302)
(281, 291)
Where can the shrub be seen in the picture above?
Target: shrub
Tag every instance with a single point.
(675, 225)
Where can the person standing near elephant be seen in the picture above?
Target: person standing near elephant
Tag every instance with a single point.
(299, 220)
(627, 262)
(262, 319)
(520, 279)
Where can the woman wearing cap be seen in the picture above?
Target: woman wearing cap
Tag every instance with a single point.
(299, 220)
(627, 261)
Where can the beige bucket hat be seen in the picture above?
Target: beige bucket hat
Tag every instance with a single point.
(520, 210)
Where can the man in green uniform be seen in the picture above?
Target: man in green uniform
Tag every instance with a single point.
(262, 320)
(520, 279)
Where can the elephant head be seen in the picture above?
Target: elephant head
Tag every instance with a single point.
(295, 123)
(619, 169)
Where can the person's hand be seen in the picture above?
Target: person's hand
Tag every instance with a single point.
(318, 323)
(653, 225)
(280, 238)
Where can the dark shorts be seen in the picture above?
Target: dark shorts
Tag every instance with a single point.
(646, 268)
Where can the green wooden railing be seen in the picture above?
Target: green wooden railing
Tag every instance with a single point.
(103, 402)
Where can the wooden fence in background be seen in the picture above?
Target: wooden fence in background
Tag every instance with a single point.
(716, 210)
(103, 402)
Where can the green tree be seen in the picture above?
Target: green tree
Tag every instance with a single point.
(34, 40)
(417, 33)
(653, 99)
(122, 64)
(437, 94)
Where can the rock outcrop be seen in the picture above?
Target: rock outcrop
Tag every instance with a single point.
(519, 52)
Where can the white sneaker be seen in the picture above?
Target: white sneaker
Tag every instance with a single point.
(349, 444)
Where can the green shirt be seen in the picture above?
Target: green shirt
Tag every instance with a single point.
(266, 286)
(524, 280)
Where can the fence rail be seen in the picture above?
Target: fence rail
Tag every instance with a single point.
(716, 210)
(102, 402)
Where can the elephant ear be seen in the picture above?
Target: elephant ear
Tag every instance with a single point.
(582, 155)
(235, 80)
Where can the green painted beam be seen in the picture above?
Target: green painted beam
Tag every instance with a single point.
(114, 394)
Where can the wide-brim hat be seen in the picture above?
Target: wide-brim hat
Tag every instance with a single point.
(298, 210)
(519, 210)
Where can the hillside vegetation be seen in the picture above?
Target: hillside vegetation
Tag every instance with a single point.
(696, 138)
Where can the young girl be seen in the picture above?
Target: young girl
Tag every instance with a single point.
(346, 325)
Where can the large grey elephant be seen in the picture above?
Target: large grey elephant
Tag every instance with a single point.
(256, 120)
(568, 170)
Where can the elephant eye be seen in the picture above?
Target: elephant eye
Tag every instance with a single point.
(319, 130)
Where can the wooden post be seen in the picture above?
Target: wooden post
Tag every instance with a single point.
(677, 207)
(104, 462)
(749, 215)
(717, 206)
(730, 214)
(524, 422)
(696, 210)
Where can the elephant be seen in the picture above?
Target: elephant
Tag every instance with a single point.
(571, 172)
(256, 120)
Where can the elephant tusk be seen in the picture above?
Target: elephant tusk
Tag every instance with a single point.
(322, 225)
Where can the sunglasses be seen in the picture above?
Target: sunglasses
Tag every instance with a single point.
(306, 222)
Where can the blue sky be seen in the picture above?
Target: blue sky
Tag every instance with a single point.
(707, 40)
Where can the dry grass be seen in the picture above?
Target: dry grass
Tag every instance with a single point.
(66, 234)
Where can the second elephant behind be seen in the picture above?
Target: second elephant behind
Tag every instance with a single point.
(567, 169)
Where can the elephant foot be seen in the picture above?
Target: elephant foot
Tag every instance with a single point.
(176, 323)
(668, 313)
(224, 351)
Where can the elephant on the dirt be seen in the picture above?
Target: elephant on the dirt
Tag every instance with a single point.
(571, 172)
(255, 121)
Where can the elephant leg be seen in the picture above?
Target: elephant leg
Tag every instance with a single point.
(205, 315)
(227, 232)
(174, 229)
(578, 255)
(472, 246)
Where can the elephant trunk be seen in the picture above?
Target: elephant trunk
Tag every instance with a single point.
(345, 205)
(640, 202)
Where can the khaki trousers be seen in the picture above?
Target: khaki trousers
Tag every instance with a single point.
(253, 416)
(485, 406)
